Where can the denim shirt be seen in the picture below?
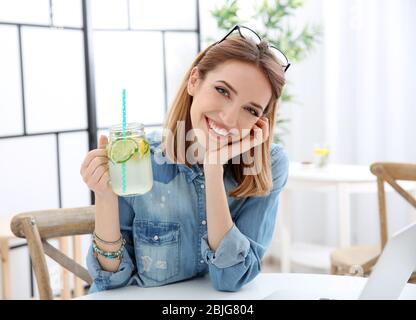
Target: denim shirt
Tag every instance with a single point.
(166, 230)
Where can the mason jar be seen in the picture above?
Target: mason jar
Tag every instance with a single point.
(129, 160)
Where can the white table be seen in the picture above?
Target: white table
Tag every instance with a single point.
(344, 180)
(289, 286)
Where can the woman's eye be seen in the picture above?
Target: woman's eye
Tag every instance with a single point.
(252, 111)
(223, 91)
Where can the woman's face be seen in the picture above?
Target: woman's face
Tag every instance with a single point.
(227, 103)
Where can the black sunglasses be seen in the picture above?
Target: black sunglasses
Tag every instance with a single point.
(247, 33)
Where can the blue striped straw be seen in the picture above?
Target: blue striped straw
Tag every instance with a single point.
(123, 165)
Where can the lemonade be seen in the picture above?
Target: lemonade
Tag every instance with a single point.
(129, 160)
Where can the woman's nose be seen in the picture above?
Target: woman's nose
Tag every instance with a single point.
(229, 118)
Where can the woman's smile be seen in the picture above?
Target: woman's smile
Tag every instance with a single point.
(217, 129)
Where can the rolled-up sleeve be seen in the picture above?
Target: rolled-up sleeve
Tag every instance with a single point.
(238, 258)
(105, 280)
(233, 249)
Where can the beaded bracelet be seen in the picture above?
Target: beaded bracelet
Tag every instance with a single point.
(108, 254)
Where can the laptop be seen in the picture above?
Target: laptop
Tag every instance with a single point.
(389, 275)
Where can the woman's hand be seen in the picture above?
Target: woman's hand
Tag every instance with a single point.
(94, 169)
(258, 135)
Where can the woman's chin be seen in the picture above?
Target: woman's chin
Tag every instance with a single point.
(214, 143)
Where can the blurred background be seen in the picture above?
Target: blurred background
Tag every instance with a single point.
(63, 64)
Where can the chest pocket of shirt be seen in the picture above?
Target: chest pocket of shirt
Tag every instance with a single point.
(157, 249)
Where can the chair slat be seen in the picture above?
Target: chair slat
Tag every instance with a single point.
(58, 222)
(398, 171)
(66, 262)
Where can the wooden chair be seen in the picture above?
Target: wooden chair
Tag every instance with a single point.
(39, 226)
(6, 236)
(359, 260)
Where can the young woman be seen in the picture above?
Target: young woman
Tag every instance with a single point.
(210, 210)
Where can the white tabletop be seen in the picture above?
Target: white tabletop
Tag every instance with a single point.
(289, 286)
(331, 173)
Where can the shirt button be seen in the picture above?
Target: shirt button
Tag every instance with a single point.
(202, 186)
(204, 222)
(156, 237)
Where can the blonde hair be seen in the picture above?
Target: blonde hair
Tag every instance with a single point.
(240, 49)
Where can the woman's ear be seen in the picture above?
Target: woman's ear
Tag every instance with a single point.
(192, 81)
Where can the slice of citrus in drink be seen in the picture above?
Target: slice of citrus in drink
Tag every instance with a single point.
(144, 148)
(122, 150)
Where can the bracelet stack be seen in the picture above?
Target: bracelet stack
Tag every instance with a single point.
(108, 254)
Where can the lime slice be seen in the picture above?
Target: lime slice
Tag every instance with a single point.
(122, 150)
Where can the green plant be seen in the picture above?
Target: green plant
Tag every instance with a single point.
(272, 24)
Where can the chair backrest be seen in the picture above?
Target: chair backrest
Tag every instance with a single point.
(39, 226)
(391, 173)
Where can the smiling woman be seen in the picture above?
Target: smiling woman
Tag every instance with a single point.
(231, 88)
(214, 216)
